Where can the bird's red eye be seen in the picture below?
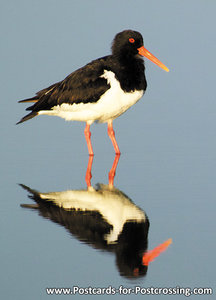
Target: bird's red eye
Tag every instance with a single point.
(131, 40)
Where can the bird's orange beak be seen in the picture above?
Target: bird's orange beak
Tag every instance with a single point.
(149, 256)
(144, 52)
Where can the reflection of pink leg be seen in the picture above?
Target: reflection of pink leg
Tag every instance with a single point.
(111, 134)
(88, 171)
(113, 170)
(88, 139)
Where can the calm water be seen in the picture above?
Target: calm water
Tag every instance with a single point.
(168, 162)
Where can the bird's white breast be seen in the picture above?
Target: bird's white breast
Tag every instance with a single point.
(115, 207)
(115, 101)
(111, 104)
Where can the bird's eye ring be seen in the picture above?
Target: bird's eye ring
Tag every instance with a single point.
(131, 40)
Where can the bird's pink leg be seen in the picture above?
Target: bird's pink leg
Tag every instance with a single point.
(111, 134)
(88, 139)
(88, 171)
(113, 170)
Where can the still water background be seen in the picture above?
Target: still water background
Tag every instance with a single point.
(167, 140)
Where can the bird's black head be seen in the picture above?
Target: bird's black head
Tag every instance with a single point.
(126, 44)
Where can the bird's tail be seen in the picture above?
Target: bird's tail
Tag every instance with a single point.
(33, 99)
(33, 113)
(28, 117)
(33, 193)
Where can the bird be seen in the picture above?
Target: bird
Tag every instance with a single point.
(100, 91)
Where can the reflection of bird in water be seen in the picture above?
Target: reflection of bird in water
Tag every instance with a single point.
(103, 217)
(100, 91)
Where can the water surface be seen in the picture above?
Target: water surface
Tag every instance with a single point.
(167, 140)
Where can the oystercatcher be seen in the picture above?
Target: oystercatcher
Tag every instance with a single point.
(100, 91)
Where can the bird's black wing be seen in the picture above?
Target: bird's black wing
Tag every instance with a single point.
(88, 226)
(82, 86)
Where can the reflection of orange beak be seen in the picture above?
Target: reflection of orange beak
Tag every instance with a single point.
(150, 255)
(144, 52)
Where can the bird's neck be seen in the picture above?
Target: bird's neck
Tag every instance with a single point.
(131, 74)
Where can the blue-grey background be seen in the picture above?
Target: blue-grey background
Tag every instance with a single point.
(167, 140)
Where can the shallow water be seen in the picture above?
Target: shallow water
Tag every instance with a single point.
(167, 165)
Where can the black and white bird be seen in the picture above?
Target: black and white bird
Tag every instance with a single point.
(100, 91)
